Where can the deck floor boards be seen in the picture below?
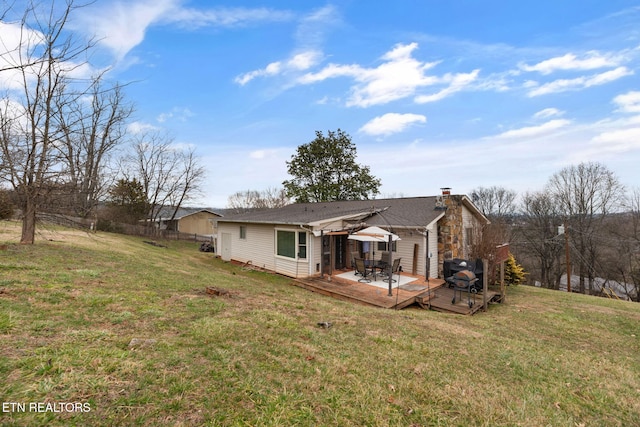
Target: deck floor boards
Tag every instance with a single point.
(370, 295)
(442, 298)
(435, 294)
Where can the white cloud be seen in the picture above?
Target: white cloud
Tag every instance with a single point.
(310, 35)
(577, 83)
(14, 113)
(628, 102)
(264, 154)
(548, 112)
(181, 114)
(299, 62)
(304, 61)
(226, 17)
(391, 123)
(312, 28)
(456, 82)
(10, 77)
(332, 71)
(592, 60)
(533, 131)
(120, 26)
(16, 42)
(137, 128)
(614, 138)
(398, 77)
(270, 70)
(623, 139)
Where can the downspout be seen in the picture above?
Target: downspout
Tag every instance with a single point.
(427, 267)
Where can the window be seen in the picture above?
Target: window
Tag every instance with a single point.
(302, 244)
(288, 241)
(382, 246)
(470, 235)
(243, 232)
(470, 240)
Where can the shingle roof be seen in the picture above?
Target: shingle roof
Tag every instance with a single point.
(402, 212)
(166, 212)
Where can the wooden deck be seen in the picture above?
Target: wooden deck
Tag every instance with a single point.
(442, 300)
(433, 295)
(371, 295)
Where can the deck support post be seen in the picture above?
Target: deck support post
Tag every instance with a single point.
(485, 283)
(390, 266)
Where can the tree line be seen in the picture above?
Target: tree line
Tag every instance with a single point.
(64, 145)
(583, 224)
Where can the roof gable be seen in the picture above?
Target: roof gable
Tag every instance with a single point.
(166, 212)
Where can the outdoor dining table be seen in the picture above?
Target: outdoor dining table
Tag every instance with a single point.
(374, 265)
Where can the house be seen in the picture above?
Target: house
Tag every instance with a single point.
(188, 220)
(310, 239)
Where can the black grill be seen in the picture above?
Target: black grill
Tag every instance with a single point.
(463, 280)
(453, 266)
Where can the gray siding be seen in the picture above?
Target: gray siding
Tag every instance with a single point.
(405, 250)
(433, 250)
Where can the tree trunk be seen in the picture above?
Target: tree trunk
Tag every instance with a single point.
(28, 223)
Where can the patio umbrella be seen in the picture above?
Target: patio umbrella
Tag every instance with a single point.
(373, 234)
(377, 234)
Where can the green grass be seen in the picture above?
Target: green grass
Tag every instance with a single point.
(70, 305)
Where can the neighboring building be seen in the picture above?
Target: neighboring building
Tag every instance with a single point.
(309, 239)
(189, 220)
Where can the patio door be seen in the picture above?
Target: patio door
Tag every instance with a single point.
(326, 255)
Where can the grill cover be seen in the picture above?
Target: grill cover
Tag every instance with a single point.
(463, 279)
(464, 275)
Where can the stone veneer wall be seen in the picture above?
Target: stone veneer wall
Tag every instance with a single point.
(450, 229)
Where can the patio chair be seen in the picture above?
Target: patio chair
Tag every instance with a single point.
(363, 271)
(353, 264)
(384, 258)
(395, 268)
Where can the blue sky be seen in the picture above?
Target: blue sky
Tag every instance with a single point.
(434, 94)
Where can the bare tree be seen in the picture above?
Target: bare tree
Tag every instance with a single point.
(494, 202)
(537, 237)
(93, 127)
(45, 59)
(169, 175)
(586, 194)
(243, 201)
(189, 180)
(623, 252)
(497, 204)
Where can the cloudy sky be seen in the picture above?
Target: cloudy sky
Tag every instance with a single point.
(460, 94)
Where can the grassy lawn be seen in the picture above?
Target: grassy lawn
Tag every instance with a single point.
(71, 305)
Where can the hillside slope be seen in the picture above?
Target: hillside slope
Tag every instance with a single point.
(128, 331)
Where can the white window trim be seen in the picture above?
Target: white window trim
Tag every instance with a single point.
(297, 245)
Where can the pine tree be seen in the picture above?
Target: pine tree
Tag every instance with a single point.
(514, 274)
